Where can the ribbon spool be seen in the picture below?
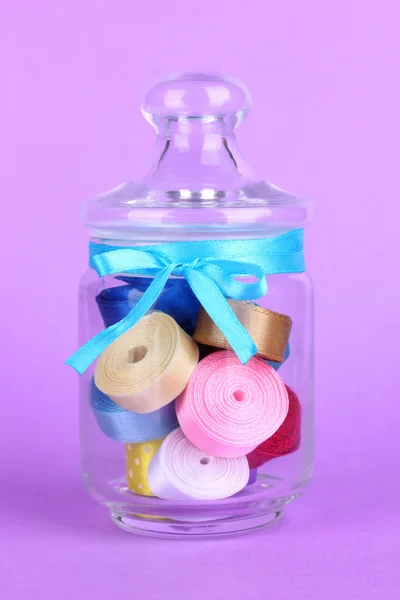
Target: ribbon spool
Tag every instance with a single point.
(176, 300)
(138, 457)
(125, 426)
(180, 471)
(285, 440)
(277, 365)
(227, 409)
(147, 366)
(206, 350)
(269, 330)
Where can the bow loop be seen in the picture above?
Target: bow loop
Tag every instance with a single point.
(135, 261)
(231, 276)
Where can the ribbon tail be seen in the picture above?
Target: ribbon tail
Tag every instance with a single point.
(84, 357)
(214, 302)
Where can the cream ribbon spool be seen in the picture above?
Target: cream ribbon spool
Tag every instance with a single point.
(149, 365)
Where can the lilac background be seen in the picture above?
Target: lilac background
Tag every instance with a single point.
(325, 123)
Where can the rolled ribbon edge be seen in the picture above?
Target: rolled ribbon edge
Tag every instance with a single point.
(200, 438)
(208, 332)
(166, 488)
(193, 427)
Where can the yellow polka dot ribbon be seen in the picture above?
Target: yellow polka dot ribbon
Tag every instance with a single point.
(138, 457)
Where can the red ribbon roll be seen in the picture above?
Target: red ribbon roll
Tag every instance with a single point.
(227, 408)
(285, 440)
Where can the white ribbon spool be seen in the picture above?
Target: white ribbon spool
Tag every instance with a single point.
(180, 471)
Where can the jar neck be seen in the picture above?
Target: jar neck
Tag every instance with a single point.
(193, 155)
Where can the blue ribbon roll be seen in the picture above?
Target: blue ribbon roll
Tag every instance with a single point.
(176, 299)
(125, 426)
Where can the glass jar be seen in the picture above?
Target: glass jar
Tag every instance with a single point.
(196, 330)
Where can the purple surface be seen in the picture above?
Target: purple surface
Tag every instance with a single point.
(324, 78)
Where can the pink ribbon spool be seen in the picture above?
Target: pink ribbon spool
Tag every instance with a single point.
(180, 471)
(227, 409)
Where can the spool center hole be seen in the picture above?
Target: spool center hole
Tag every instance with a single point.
(137, 354)
(205, 460)
(238, 395)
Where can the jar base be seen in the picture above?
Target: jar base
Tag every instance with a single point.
(193, 528)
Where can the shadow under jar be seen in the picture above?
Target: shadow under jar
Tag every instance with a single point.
(196, 331)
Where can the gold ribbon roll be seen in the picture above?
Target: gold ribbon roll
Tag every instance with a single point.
(138, 457)
(148, 366)
(269, 330)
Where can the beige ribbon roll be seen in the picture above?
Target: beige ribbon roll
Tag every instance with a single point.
(149, 365)
(270, 330)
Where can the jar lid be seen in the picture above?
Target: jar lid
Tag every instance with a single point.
(198, 183)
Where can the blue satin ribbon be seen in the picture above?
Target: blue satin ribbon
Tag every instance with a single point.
(176, 300)
(126, 426)
(211, 269)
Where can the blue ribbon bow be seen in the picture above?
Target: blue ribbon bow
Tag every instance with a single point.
(211, 268)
